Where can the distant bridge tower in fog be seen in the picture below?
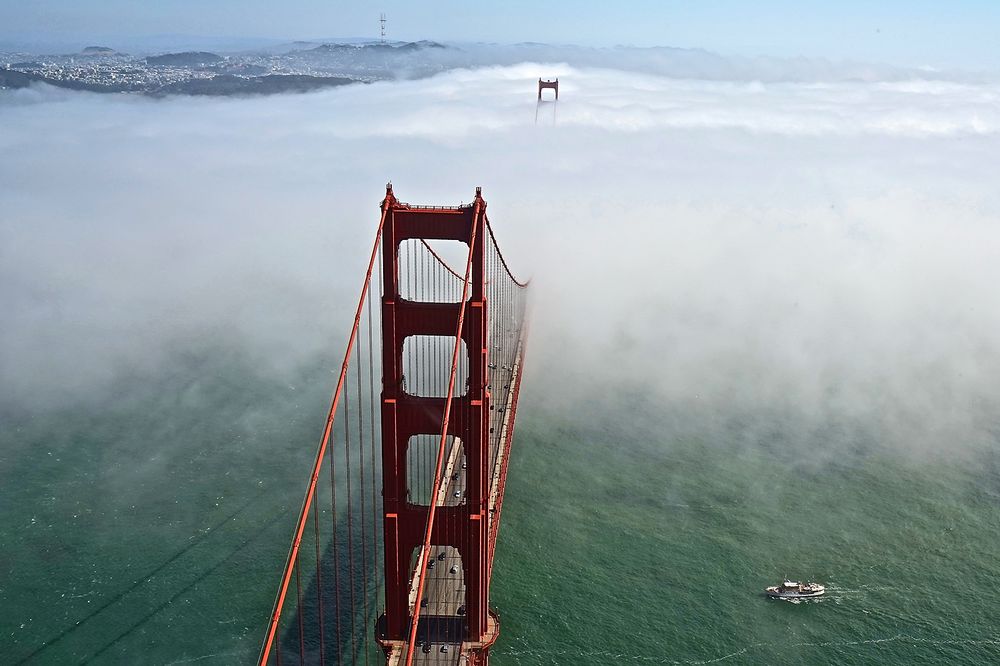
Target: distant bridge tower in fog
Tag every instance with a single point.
(553, 84)
(391, 558)
(381, 20)
(544, 84)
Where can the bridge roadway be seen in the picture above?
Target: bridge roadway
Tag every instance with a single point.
(444, 590)
(442, 619)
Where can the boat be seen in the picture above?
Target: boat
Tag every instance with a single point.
(792, 590)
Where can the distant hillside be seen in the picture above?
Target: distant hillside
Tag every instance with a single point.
(221, 85)
(392, 47)
(422, 44)
(12, 79)
(97, 51)
(186, 59)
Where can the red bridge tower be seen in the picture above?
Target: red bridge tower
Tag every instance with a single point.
(462, 526)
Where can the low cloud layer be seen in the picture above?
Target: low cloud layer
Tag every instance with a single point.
(665, 61)
(825, 249)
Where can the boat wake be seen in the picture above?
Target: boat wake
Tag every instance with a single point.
(802, 600)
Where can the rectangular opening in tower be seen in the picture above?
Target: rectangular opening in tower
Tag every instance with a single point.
(421, 463)
(432, 271)
(427, 366)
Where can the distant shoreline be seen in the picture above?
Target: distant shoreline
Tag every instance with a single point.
(101, 69)
(221, 85)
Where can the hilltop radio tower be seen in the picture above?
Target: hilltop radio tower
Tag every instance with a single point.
(381, 20)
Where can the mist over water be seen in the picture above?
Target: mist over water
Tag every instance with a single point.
(751, 301)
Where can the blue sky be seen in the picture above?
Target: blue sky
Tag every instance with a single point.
(961, 33)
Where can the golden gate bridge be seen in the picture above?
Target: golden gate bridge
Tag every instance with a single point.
(392, 554)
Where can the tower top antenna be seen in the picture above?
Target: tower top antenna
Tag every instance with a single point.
(381, 20)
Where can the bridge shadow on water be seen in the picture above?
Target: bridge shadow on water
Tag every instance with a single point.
(196, 542)
(331, 610)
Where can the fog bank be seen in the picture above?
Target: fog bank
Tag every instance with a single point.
(827, 250)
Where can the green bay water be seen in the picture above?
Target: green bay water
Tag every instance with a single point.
(622, 544)
(149, 525)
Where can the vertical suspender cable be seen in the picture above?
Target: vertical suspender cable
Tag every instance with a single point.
(298, 599)
(364, 533)
(319, 587)
(371, 403)
(350, 520)
(336, 555)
